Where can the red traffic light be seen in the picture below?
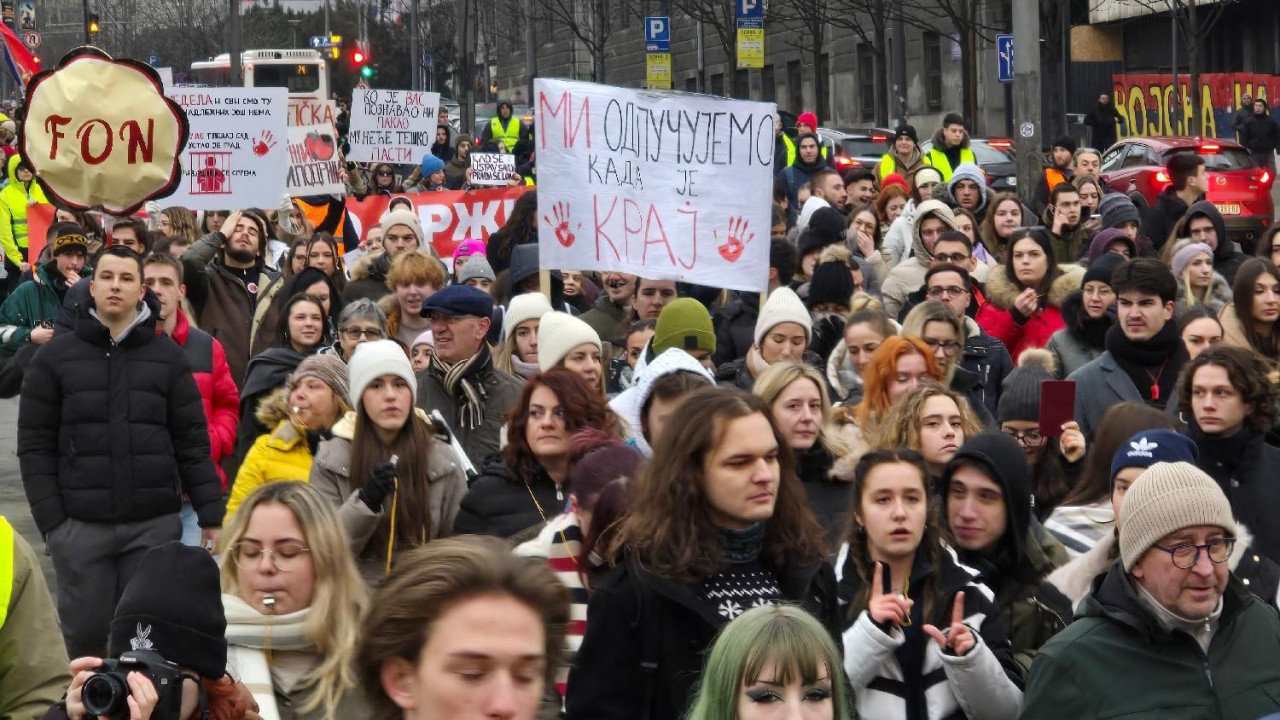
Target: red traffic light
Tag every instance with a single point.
(357, 57)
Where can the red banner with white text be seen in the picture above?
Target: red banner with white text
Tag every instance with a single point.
(447, 217)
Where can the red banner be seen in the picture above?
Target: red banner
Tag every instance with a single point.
(447, 217)
(39, 219)
(1145, 102)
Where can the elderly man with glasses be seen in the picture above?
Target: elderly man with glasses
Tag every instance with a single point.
(1169, 631)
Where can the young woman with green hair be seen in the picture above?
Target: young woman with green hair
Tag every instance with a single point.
(771, 658)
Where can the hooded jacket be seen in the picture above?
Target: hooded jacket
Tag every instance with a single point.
(629, 405)
(1259, 133)
(908, 275)
(508, 506)
(973, 173)
(14, 199)
(278, 456)
(800, 172)
(997, 318)
(1033, 609)
(1219, 297)
(1158, 220)
(1227, 258)
(113, 430)
(1118, 661)
(1081, 338)
(28, 305)
(1104, 239)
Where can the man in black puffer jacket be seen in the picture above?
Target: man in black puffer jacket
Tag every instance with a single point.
(111, 434)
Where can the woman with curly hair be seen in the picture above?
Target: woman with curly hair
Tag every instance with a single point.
(931, 420)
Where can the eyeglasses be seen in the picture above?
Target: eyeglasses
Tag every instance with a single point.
(951, 291)
(1186, 555)
(948, 347)
(954, 258)
(287, 557)
(359, 333)
(1030, 438)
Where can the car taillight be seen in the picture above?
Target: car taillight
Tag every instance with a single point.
(843, 162)
(879, 138)
(1162, 177)
(1000, 144)
(1266, 177)
(1210, 149)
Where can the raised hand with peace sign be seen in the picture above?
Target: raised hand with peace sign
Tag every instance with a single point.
(957, 639)
(885, 607)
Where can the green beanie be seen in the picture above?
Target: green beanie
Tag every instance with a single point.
(684, 324)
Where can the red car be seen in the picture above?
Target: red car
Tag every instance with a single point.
(1237, 187)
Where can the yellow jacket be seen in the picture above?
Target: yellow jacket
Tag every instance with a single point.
(14, 199)
(277, 456)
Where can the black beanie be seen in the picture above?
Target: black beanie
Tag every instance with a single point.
(826, 227)
(907, 131)
(1103, 268)
(173, 607)
(1065, 142)
(832, 282)
(1020, 393)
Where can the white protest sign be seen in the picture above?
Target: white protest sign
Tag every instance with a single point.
(656, 184)
(309, 111)
(492, 168)
(392, 126)
(237, 152)
(166, 77)
(314, 167)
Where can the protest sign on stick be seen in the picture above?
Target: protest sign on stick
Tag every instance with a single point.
(657, 184)
(237, 155)
(392, 126)
(315, 167)
(492, 168)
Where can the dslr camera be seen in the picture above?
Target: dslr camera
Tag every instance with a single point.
(105, 694)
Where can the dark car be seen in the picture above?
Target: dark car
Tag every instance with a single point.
(856, 149)
(1237, 187)
(995, 157)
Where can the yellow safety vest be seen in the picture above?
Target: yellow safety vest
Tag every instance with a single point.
(938, 160)
(791, 149)
(528, 180)
(6, 568)
(888, 165)
(509, 136)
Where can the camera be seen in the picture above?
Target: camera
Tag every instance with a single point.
(105, 694)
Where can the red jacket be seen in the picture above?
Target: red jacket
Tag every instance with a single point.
(995, 317)
(217, 389)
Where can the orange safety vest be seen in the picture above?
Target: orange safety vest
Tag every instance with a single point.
(1054, 177)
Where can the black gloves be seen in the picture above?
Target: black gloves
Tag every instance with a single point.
(382, 482)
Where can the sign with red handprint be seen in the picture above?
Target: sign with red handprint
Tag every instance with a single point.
(239, 153)
(657, 184)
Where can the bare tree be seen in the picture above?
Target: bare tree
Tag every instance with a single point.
(809, 20)
(592, 23)
(721, 18)
(869, 21)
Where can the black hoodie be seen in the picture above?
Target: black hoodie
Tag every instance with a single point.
(1226, 258)
(1033, 609)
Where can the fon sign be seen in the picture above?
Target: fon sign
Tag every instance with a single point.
(658, 184)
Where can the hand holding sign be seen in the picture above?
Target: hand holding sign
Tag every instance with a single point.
(737, 240)
(958, 639)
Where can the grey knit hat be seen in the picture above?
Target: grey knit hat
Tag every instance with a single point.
(1020, 393)
(1164, 499)
(328, 369)
(477, 266)
(1117, 209)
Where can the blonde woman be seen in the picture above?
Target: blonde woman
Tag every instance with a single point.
(931, 420)
(294, 603)
(1198, 283)
(797, 400)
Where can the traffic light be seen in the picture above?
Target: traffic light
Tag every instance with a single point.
(94, 27)
(357, 57)
(360, 61)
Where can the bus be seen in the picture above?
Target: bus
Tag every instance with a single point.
(304, 72)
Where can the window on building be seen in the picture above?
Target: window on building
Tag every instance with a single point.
(866, 83)
(691, 83)
(717, 84)
(742, 84)
(768, 85)
(932, 43)
(795, 87)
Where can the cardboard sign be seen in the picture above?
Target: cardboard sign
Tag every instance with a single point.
(447, 217)
(657, 184)
(315, 165)
(392, 126)
(100, 133)
(237, 156)
(492, 168)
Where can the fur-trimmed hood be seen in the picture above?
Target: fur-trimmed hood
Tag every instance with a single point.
(370, 266)
(1219, 295)
(1002, 290)
(940, 142)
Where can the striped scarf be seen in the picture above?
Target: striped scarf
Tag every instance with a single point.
(460, 381)
(560, 542)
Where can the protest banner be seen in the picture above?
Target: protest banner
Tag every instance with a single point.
(492, 168)
(309, 111)
(315, 167)
(237, 154)
(392, 126)
(657, 184)
(447, 217)
(99, 132)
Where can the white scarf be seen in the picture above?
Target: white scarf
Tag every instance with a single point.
(250, 636)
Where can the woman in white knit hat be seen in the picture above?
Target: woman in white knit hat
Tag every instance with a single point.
(567, 342)
(517, 352)
(395, 483)
(782, 333)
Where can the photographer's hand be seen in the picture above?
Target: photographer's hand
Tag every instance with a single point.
(142, 696)
(81, 670)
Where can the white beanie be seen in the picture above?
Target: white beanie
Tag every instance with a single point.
(782, 306)
(558, 334)
(523, 308)
(402, 217)
(371, 360)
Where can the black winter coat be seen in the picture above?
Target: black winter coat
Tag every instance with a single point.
(1244, 466)
(1260, 134)
(499, 503)
(736, 328)
(113, 433)
(1159, 219)
(635, 616)
(828, 497)
(988, 358)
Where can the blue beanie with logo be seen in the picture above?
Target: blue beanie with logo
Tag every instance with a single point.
(1152, 446)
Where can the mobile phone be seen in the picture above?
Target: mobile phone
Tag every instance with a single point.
(886, 582)
(1057, 406)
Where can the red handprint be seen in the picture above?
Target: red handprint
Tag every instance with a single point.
(263, 144)
(736, 241)
(563, 233)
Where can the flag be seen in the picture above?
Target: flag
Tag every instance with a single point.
(22, 65)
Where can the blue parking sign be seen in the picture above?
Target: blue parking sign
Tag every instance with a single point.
(657, 34)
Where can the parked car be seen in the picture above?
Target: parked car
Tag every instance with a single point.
(1237, 187)
(995, 157)
(856, 148)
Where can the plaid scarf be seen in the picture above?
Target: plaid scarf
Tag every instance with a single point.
(461, 382)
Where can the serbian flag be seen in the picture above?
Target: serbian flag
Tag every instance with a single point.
(18, 59)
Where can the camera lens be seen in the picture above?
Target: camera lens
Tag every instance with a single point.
(104, 694)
